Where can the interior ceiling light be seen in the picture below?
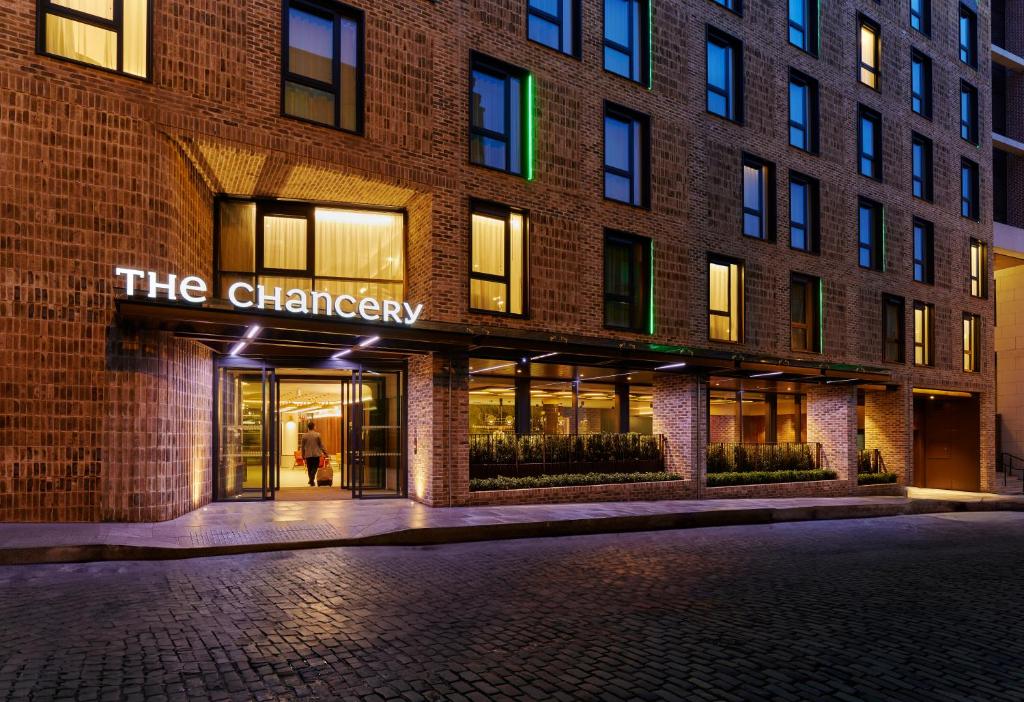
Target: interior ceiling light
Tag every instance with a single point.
(238, 347)
(544, 355)
(338, 355)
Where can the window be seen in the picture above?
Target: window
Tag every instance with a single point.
(627, 39)
(924, 252)
(734, 5)
(921, 15)
(923, 334)
(968, 36)
(870, 235)
(968, 113)
(498, 255)
(921, 166)
(498, 117)
(804, 313)
(803, 111)
(968, 189)
(725, 76)
(725, 299)
(893, 331)
(758, 198)
(972, 343)
(803, 25)
(555, 24)
(110, 34)
(323, 70)
(803, 212)
(979, 263)
(626, 156)
(869, 141)
(627, 282)
(745, 416)
(869, 51)
(335, 249)
(921, 84)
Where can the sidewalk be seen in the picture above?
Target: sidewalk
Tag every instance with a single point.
(232, 528)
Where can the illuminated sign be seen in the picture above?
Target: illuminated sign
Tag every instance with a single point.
(193, 289)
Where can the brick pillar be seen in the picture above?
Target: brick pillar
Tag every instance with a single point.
(832, 422)
(676, 416)
(438, 447)
(987, 441)
(888, 427)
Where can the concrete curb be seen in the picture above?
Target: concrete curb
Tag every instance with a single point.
(429, 536)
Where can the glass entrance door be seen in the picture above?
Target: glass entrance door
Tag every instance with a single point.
(246, 441)
(376, 435)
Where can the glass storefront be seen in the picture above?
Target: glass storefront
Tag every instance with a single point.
(750, 417)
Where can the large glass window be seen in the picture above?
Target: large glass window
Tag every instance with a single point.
(869, 143)
(968, 112)
(111, 34)
(758, 198)
(803, 25)
(968, 36)
(323, 70)
(803, 212)
(869, 51)
(804, 312)
(923, 334)
(924, 252)
(627, 266)
(978, 263)
(921, 166)
(744, 416)
(724, 75)
(725, 299)
(969, 189)
(972, 343)
(497, 116)
(870, 239)
(803, 111)
(554, 23)
(921, 84)
(498, 245)
(626, 40)
(893, 333)
(340, 250)
(921, 15)
(625, 156)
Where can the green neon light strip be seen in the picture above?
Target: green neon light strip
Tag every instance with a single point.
(530, 117)
(650, 44)
(821, 316)
(650, 320)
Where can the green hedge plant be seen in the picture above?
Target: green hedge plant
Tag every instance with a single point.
(768, 477)
(568, 479)
(875, 478)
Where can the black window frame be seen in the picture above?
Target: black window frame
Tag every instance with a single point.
(812, 292)
(641, 309)
(811, 129)
(504, 71)
(735, 99)
(970, 206)
(866, 113)
(927, 345)
(969, 131)
(865, 21)
(733, 6)
(645, 47)
(924, 16)
(975, 349)
(922, 185)
(968, 53)
(499, 210)
(728, 261)
(574, 29)
(895, 339)
(624, 114)
(767, 194)
(812, 211)
(924, 98)
(334, 11)
(115, 25)
(876, 245)
(923, 257)
(810, 31)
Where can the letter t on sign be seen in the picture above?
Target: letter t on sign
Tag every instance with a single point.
(130, 274)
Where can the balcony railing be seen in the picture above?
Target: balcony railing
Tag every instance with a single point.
(522, 455)
(750, 457)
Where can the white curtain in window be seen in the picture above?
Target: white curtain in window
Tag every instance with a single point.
(81, 42)
(238, 236)
(284, 242)
(136, 24)
(489, 245)
(367, 246)
(99, 8)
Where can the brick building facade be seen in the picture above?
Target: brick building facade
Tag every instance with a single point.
(116, 406)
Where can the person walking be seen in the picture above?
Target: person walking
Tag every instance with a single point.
(312, 449)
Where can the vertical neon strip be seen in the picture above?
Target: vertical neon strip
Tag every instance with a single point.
(821, 316)
(650, 306)
(650, 44)
(530, 117)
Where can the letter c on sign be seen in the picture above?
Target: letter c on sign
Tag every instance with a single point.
(234, 299)
(337, 306)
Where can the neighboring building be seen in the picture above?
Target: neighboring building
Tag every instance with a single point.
(1008, 216)
(704, 224)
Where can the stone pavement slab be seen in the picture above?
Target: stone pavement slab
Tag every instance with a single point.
(225, 528)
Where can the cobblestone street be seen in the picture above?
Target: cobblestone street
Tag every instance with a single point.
(906, 608)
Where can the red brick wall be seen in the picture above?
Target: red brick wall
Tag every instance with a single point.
(888, 427)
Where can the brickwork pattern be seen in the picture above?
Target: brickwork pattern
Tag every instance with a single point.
(886, 428)
(668, 490)
(832, 422)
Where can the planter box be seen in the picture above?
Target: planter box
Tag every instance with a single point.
(614, 492)
(812, 488)
(532, 470)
